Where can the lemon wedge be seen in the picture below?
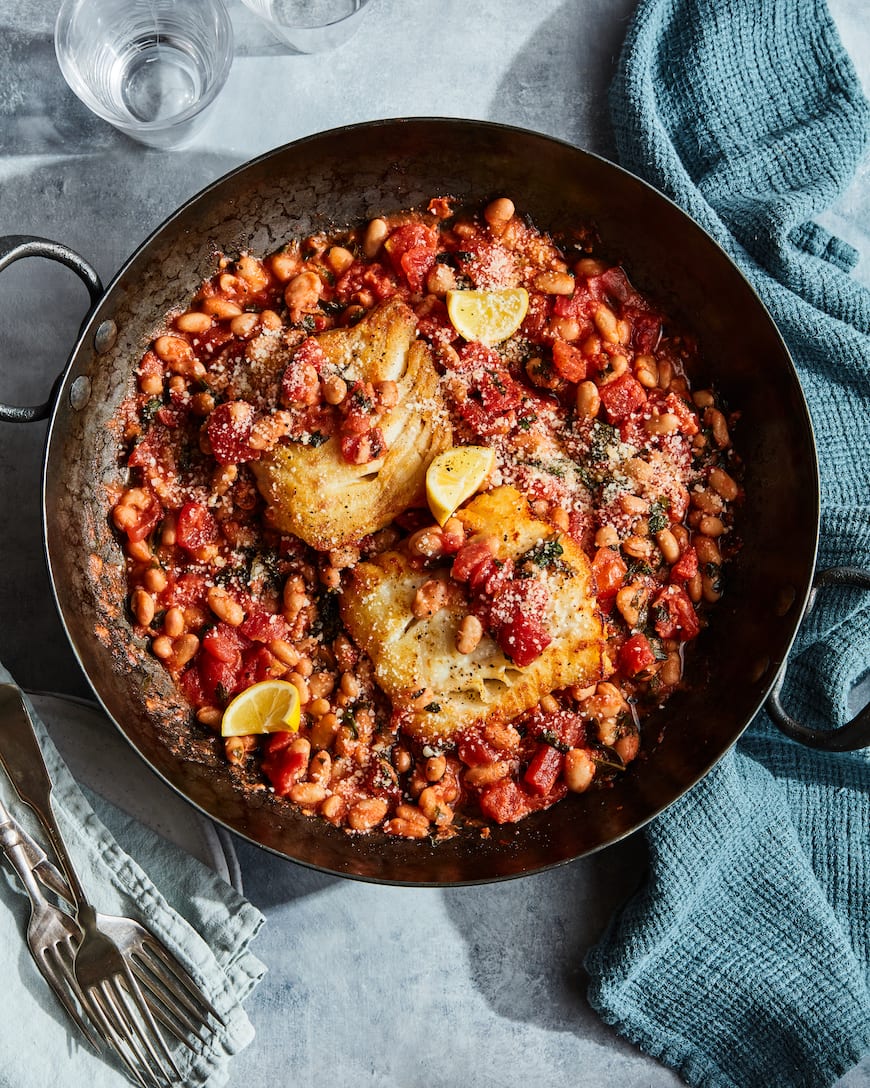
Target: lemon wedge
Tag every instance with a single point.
(487, 316)
(272, 706)
(454, 476)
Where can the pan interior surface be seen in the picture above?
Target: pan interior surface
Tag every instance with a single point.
(350, 175)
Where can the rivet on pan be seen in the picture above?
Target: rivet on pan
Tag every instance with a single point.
(105, 337)
(80, 392)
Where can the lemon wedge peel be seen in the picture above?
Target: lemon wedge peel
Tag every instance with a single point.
(489, 317)
(272, 706)
(454, 476)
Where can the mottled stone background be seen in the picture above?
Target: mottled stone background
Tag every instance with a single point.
(368, 985)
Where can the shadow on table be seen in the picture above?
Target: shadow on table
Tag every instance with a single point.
(583, 40)
(526, 939)
(273, 881)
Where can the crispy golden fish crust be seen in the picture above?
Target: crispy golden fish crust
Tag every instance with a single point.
(412, 654)
(312, 492)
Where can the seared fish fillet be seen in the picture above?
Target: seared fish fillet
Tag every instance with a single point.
(410, 654)
(312, 491)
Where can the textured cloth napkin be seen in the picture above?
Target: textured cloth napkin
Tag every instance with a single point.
(204, 921)
(745, 959)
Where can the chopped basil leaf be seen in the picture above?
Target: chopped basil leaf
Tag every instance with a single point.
(548, 736)
(658, 518)
(150, 409)
(545, 553)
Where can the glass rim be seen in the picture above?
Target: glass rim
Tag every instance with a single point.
(127, 123)
(281, 27)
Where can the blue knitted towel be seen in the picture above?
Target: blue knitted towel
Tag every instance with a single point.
(745, 961)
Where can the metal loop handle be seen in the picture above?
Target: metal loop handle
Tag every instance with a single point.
(854, 734)
(13, 248)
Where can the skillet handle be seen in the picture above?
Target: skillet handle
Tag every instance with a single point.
(13, 248)
(854, 734)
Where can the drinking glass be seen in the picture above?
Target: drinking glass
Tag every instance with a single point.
(310, 26)
(148, 67)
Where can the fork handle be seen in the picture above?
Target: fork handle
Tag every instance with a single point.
(23, 762)
(13, 847)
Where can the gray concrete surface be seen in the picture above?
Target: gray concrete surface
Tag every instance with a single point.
(368, 985)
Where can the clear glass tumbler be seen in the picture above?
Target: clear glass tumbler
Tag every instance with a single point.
(148, 67)
(310, 26)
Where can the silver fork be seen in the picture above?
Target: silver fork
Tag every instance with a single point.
(117, 957)
(52, 934)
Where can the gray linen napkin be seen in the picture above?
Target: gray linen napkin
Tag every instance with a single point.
(203, 920)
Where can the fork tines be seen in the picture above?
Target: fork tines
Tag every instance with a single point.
(174, 998)
(122, 1017)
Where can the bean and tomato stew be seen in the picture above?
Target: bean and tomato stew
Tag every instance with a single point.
(619, 483)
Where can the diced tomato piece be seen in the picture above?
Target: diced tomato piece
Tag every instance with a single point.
(435, 324)
(609, 569)
(358, 408)
(504, 802)
(310, 352)
(484, 372)
(580, 305)
(412, 249)
(615, 287)
(225, 643)
(492, 577)
(621, 397)
(563, 726)
(416, 263)
(490, 392)
(284, 770)
(189, 589)
(151, 365)
(229, 432)
(262, 626)
(171, 417)
(635, 655)
(544, 769)
(299, 384)
(190, 683)
(257, 664)
(537, 317)
(359, 449)
(469, 558)
(686, 566)
(153, 454)
(687, 416)
(489, 265)
(675, 615)
(380, 782)
(146, 520)
(516, 617)
(219, 679)
(277, 742)
(569, 361)
(195, 527)
(646, 331)
(475, 751)
(365, 277)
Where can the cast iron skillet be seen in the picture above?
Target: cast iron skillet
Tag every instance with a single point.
(351, 174)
